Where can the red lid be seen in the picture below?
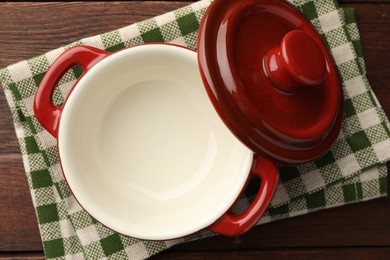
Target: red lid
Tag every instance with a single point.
(270, 78)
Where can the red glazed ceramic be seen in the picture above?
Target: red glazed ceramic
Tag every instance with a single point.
(146, 153)
(271, 79)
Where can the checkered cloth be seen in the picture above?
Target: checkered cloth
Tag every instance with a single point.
(354, 170)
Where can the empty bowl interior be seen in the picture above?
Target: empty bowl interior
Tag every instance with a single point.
(142, 148)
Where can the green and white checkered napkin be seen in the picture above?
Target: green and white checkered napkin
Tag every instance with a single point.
(353, 171)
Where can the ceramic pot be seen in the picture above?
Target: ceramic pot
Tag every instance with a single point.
(158, 141)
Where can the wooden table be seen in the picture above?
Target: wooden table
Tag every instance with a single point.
(355, 231)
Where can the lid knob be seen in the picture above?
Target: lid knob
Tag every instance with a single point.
(297, 62)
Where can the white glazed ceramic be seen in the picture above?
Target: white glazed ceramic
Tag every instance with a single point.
(142, 148)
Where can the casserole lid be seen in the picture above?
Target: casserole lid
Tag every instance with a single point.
(270, 78)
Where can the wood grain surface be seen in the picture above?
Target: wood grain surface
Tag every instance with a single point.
(354, 231)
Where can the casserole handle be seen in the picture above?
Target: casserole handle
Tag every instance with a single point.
(234, 225)
(45, 111)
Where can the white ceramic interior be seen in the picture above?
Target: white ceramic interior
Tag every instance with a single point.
(143, 149)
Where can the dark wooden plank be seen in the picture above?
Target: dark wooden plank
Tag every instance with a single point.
(340, 1)
(18, 224)
(29, 29)
(350, 2)
(22, 255)
(300, 253)
(8, 141)
(305, 253)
